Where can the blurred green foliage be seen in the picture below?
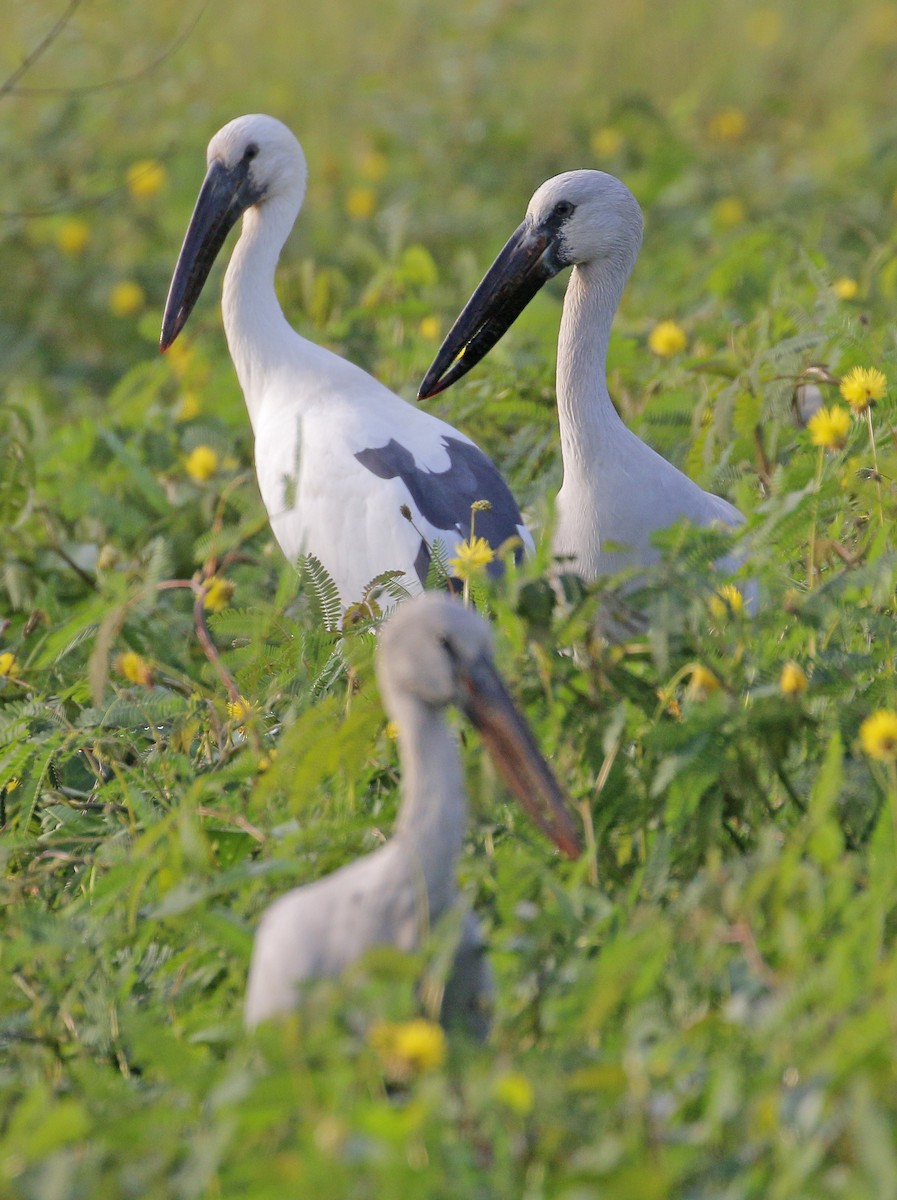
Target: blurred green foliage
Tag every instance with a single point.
(704, 1006)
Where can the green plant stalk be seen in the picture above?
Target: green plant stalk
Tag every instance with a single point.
(811, 551)
(881, 514)
(892, 797)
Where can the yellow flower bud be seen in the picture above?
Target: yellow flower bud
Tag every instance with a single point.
(863, 386)
(408, 1048)
(9, 666)
(667, 338)
(829, 427)
(845, 288)
(793, 680)
(126, 298)
(470, 557)
(606, 142)
(72, 236)
(361, 203)
(134, 667)
(728, 601)
(201, 463)
(218, 594)
(146, 178)
(878, 735)
(728, 125)
(516, 1092)
(702, 682)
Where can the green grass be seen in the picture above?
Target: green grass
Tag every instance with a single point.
(703, 1006)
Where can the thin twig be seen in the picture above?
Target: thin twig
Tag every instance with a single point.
(209, 648)
(9, 84)
(122, 80)
(237, 819)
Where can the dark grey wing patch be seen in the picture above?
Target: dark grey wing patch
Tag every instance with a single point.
(422, 561)
(444, 497)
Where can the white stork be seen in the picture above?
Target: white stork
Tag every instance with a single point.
(616, 490)
(433, 652)
(338, 456)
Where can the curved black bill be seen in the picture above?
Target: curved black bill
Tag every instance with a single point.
(492, 712)
(223, 198)
(526, 262)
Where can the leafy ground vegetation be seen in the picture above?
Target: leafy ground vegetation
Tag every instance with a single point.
(706, 1004)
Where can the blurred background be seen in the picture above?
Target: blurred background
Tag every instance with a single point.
(431, 125)
(716, 1017)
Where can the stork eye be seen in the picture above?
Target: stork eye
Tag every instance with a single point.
(447, 646)
(564, 208)
(250, 152)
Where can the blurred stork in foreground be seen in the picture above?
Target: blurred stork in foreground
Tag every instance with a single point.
(433, 652)
(338, 456)
(616, 490)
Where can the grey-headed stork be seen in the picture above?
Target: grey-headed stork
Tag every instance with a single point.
(338, 456)
(433, 652)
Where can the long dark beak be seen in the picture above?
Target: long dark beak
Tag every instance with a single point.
(493, 713)
(528, 260)
(225, 195)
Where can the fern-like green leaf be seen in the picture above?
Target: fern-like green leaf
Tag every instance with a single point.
(323, 595)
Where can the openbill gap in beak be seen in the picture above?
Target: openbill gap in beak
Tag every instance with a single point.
(225, 195)
(531, 256)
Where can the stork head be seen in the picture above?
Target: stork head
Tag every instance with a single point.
(574, 219)
(585, 216)
(253, 160)
(262, 155)
(437, 652)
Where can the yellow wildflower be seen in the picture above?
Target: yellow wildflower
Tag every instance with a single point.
(264, 763)
(134, 667)
(728, 601)
(72, 236)
(201, 463)
(374, 165)
(9, 666)
(829, 427)
(863, 386)
(728, 212)
(793, 680)
(218, 594)
(360, 203)
(516, 1092)
(126, 298)
(845, 288)
(702, 683)
(470, 556)
(11, 784)
(667, 338)
(606, 142)
(146, 178)
(190, 406)
(878, 735)
(407, 1048)
(429, 328)
(392, 730)
(728, 125)
(240, 709)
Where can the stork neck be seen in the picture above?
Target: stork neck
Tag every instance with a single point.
(256, 329)
(586, 413)
(433, 813)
